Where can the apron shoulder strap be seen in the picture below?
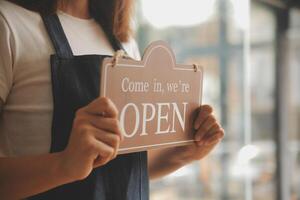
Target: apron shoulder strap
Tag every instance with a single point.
(57, 36)
(116, 44)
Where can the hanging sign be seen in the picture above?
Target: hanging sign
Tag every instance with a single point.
(156, 98)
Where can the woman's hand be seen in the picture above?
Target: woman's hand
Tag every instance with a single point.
(162, 162)
(94, 140)
(208, 134)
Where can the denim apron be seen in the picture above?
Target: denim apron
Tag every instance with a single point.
(75, 83)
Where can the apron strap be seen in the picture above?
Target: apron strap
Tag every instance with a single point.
(57, 36)
(116, 44)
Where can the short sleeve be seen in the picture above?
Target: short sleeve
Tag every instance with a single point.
(6, 61)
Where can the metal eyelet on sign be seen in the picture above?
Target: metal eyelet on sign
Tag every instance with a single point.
(196, 67)
(118, 54)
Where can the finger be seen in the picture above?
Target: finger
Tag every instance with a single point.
(215, 128)
(107, 124)
(104, 150)
(205, 126)
(204, 111)
(214, 138)
(103, 106)
(99, 161)
(212, 144)
(105, 153)
(110, 139)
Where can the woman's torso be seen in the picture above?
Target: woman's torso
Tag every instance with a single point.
(25, 77)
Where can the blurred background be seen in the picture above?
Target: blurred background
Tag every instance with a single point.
(250, 51)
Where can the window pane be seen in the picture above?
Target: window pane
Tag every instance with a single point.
(263, 100)
(218, 42)
(294, 106)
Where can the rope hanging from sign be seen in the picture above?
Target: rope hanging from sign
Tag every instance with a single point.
(118, 55)
(122, 54)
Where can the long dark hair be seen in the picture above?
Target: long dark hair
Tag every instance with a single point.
(113, 15)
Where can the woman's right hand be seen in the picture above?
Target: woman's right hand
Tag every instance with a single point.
(94, 140)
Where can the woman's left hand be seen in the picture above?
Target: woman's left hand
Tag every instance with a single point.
(208, 134)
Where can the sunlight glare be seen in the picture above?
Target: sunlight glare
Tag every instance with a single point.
(166, 13)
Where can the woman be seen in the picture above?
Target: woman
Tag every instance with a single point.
(58, 140)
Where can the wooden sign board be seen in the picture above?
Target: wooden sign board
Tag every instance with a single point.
(156, 98)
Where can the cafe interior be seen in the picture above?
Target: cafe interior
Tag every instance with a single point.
(250, 54)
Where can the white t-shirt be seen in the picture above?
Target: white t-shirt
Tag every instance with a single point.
(25, 77)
